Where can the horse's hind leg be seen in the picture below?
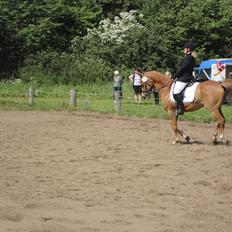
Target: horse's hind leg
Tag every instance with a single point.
(221, 130)
(220, 126)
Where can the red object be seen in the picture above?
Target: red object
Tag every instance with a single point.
(220, 66)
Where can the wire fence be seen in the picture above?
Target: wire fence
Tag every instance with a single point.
(43, 99)
(40, 99)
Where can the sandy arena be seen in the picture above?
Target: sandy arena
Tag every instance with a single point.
(86, 172)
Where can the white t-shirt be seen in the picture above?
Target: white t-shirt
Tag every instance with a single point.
(136, 79)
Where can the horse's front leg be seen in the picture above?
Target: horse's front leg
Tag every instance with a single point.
(177, 132)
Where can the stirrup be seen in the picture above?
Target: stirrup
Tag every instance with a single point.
(179, 112)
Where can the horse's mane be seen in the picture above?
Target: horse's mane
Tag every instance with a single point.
(158, 77)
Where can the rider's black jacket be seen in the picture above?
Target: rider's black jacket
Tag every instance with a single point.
(184, 73)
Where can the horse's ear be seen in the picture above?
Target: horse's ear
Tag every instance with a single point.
(144, 79)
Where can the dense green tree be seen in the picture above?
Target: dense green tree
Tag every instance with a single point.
(11, 48)
(171, 23)
(37, 36)
(28, 27)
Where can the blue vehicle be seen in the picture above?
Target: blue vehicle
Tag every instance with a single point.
(216, 69)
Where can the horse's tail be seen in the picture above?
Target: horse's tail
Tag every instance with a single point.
(227, 85)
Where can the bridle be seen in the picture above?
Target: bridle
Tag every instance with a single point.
(148, 91)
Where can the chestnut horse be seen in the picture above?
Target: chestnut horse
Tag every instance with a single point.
(209, 94)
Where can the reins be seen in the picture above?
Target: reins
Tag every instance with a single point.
(164, 86)
(151, 84)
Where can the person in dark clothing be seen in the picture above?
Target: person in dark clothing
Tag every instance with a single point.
(156, 96)
(183, 76)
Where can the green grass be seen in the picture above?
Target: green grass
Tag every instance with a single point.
(13, 97)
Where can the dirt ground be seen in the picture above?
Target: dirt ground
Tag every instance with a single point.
(85, 172)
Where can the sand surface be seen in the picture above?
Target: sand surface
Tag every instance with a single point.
(85, 172)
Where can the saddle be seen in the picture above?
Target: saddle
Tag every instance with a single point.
(188, 92)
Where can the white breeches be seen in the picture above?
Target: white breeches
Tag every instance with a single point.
(178, 87)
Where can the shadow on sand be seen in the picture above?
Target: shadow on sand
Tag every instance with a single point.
(221, 142)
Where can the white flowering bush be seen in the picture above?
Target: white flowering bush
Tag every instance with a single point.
(114, 31)
(100, 49)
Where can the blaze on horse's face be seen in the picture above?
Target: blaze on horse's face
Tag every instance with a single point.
(146, 88)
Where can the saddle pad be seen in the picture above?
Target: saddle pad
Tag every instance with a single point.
(188, 94)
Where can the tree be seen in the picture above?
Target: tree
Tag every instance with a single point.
(105, 30)
(11, 48)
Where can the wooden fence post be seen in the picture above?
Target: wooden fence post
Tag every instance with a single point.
(117, 95)
(86, 104)
(73, 97)
(30, 96)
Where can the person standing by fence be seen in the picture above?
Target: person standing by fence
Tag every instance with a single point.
(117, 83)
(136, 78)
(156, 96)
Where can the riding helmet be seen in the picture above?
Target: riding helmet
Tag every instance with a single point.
(189, 45)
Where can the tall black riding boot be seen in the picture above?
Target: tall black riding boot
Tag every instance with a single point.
(179, 104)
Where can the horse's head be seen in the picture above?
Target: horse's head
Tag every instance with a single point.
(146, 87)
(154, 79)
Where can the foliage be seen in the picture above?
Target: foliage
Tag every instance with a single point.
(64, 68)
(116, 31)
(69, 41)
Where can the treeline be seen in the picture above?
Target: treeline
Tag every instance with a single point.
(77, 41)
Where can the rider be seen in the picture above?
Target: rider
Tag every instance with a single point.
(183, 76)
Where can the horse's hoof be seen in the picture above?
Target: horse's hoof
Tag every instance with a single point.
(187, 138)
(224, 141)
(214, 140)
(175, 142)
